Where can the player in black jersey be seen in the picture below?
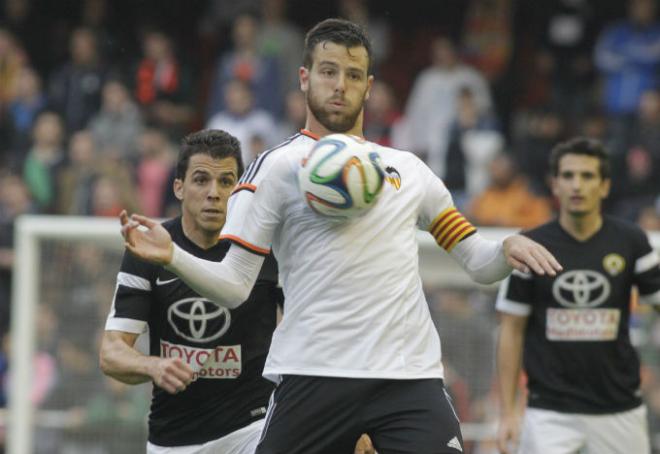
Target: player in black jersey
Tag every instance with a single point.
(206, 361)
(571, 330)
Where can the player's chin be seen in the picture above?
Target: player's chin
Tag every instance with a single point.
(212, 221)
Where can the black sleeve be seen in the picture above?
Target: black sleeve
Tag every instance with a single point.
(132, 299)
(647, 268)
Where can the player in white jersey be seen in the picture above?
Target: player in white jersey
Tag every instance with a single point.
(356, 350)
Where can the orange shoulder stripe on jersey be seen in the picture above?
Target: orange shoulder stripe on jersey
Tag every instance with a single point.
(244, 187)
(439, 219)
(245, 244)
(307, 133)
(462, 233)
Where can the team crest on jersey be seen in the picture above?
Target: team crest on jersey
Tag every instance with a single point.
(393, 177)
(614, 264)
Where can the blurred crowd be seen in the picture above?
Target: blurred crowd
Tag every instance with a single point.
(95, 95)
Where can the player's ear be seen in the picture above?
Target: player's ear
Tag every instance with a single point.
(303, 76)
(605, 186)
(554, 186)
(177, 187)
(370, 82)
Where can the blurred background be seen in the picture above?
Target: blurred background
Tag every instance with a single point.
(96, 94)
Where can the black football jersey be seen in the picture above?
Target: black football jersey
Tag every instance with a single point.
(225, 348)
(577, 351)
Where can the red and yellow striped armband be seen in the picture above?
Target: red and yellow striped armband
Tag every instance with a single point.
(450, 227)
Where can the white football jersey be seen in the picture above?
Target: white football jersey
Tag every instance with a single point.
(354, 305)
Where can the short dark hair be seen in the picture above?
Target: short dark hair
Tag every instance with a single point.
(581, 146)
(338, 31)
(216, 143)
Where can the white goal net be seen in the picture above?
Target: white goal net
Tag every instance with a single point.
(63, 284)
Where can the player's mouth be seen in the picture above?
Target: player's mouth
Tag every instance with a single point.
(211, 212)
(577, 199)
(337, 103)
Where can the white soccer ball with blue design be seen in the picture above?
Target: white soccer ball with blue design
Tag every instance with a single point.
(341, 177)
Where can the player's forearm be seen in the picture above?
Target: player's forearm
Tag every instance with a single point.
(122, 362)
(482, 259)
(509, 359)
(227, 283)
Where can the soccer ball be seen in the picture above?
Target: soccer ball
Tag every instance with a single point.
(341, 177)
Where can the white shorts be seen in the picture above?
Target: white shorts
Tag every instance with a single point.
(552, 432)
(241, 441)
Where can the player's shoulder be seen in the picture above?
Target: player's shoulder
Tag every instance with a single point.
(280, 156)
(622, 229)
(171, 225)
(543, 233)
(403, 158)
(621, 225)
(132, 264)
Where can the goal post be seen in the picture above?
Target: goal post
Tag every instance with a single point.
(30, 231)
(42, 250)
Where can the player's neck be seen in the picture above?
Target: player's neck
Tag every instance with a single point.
(581, 227)
(315, 127)
(202, 238)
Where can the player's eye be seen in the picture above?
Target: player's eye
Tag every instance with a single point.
(200, 180)
(227, 182)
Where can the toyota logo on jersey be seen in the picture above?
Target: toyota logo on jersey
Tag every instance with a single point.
(581, 289)
(198, 320)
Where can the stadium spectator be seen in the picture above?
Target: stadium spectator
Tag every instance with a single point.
(535, 132)
(216, 404)
(245, 62)
(627, 55)
(45, 159)
(30, 100)
(570, 331)
(76, 179)
(508, 201)
(157, 159)
(487, 41)
(163, 85)
(431, 107)
(565, 34)
(74, 89)
(244, 118)
(280, 39)
(474, 139)
(322, 351)
(119, 122)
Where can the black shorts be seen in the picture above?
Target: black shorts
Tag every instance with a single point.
(325, 415)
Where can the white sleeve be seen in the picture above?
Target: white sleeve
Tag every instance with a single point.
(228, 282)
(482, 259)
(438, 215)
(435, 197)
(254, 209)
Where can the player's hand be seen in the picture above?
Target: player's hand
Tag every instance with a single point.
(171, 374)
(527, 255)
(507, 434)
(146, 238)
(364, 445)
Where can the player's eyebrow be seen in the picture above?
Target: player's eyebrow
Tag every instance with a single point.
(328, 63)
